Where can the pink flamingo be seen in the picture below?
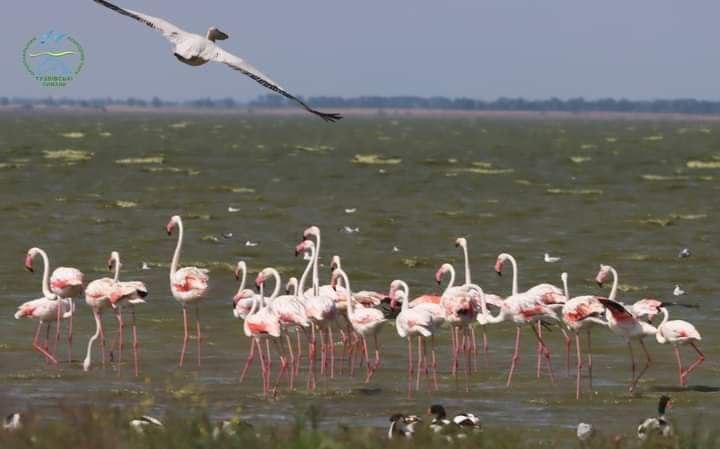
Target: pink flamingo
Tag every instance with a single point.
(243, 298)
(66, 283)
(421, 321)
(322, 311)
(188, 286)
(365, 322)
(110, 292)
(459, 304)
(522, 309)
(44, 309)
(624, 324)
(581, 312)
(645, 309)
(291, 314)
(545, 293)
(260, 324)
(679, 332)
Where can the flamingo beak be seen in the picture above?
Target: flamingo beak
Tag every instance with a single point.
(28, 263)
(237, 274)
(599, 283)
(499, 267)
(110, 264)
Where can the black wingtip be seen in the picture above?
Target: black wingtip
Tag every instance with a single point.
(327, 116)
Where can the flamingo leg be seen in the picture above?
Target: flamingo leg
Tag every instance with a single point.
(453, 367)
(515, 357)
(57, 325)
(426, 370)
(367, 359)
(696, 363)
(249, 360)
(37, 346)
(409, 367)
(589, 360)
(568, 346)
(263, 366)
(268, 361)
(323, 352)
(433, 362)
(676, 350)
(135, 343)
(120, 334)
(331, 342)
(546, 353)
(538, 332)
(298, 357)
(468, 354)
(632, 366)
(102, 339)
(578, 368)
(198, 335)
(419, 363)
(291, 370)
(185, 336)
(485, 340)
(311, 359)
(648, 361)
(47, 340)
(70, 331)
(473, 343)
(283, 366)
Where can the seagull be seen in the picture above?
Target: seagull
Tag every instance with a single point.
(194, 49)
(396, 249)
(678, 291)
(139, 424)
(145, 266)
(251, 244)
(350, 230)
(233, 209)
(550, 259)
(351, 210)
(585, 432)
(684, 253)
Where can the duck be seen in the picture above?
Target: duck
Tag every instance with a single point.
(403, 425)
(145, 421)
(658, 426)
(461, 422)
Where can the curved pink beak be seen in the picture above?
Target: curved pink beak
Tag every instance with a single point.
(498, 267)
(28, 263)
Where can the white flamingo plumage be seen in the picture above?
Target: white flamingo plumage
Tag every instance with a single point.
(259, 325)
(365, 322)
(578, 313)
(418, 321)
(188, 286)
(676, 333)
(67, 283)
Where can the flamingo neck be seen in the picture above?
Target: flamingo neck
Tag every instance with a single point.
(467, 265)
(515, 275)
(500, 317)
(452, 278)
(406, 301)
(301, 286)
(276, 290)
(316, 278)
(565, 288)
(243, 278)
(117, 268)
(178, 248)
(46, 275)
(613, 291)
(351, 300)
(253, 311)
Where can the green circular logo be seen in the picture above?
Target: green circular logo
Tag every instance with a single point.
(54, 59)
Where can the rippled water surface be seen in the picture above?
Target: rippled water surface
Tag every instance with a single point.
(631, 194)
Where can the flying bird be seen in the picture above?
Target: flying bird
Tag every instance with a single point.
(194, 49)
(685, 252)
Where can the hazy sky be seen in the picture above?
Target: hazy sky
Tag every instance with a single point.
(482, 49)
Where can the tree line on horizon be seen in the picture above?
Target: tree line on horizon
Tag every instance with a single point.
(579, 104)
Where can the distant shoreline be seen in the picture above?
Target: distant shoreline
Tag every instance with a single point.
(370, 113)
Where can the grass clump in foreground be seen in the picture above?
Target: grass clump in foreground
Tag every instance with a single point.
(92, 428)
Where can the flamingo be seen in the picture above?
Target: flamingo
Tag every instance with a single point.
(188, 286)
(459, 306)
(418, 321)
(365, 322)
(581, 312)
(679, 332)
(645, 309)
(522, 309)
(624, 324)
(547, 294)
(321, 310)
(109, 292)
(291, 314)
(66, 283)
(44, 309)
(194, 50)
(243, 298)
(260, 324)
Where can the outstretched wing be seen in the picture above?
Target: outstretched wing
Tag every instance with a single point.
(170, 31)
(618, 310)
(239, 64)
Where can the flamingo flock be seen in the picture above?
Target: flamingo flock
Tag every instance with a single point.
(310, 314)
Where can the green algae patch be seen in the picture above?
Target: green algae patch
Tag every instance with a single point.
(375, 159)
(68, 155)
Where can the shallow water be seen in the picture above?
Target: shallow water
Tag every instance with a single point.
(630, 194)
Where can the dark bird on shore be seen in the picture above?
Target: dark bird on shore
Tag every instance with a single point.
(403, 425)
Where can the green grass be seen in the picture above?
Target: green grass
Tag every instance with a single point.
(92, 428)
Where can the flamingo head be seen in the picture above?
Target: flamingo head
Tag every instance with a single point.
(291, 285)
(28, 259)
(335, 262)
(175, 219)
(311, 231)
(260, 280)
(114, 259)
(444, 268)
(241, 267)
(305, 245)
(461, 242)
(499, 263)
(335, 276)
(564, 276)
(602, 274)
